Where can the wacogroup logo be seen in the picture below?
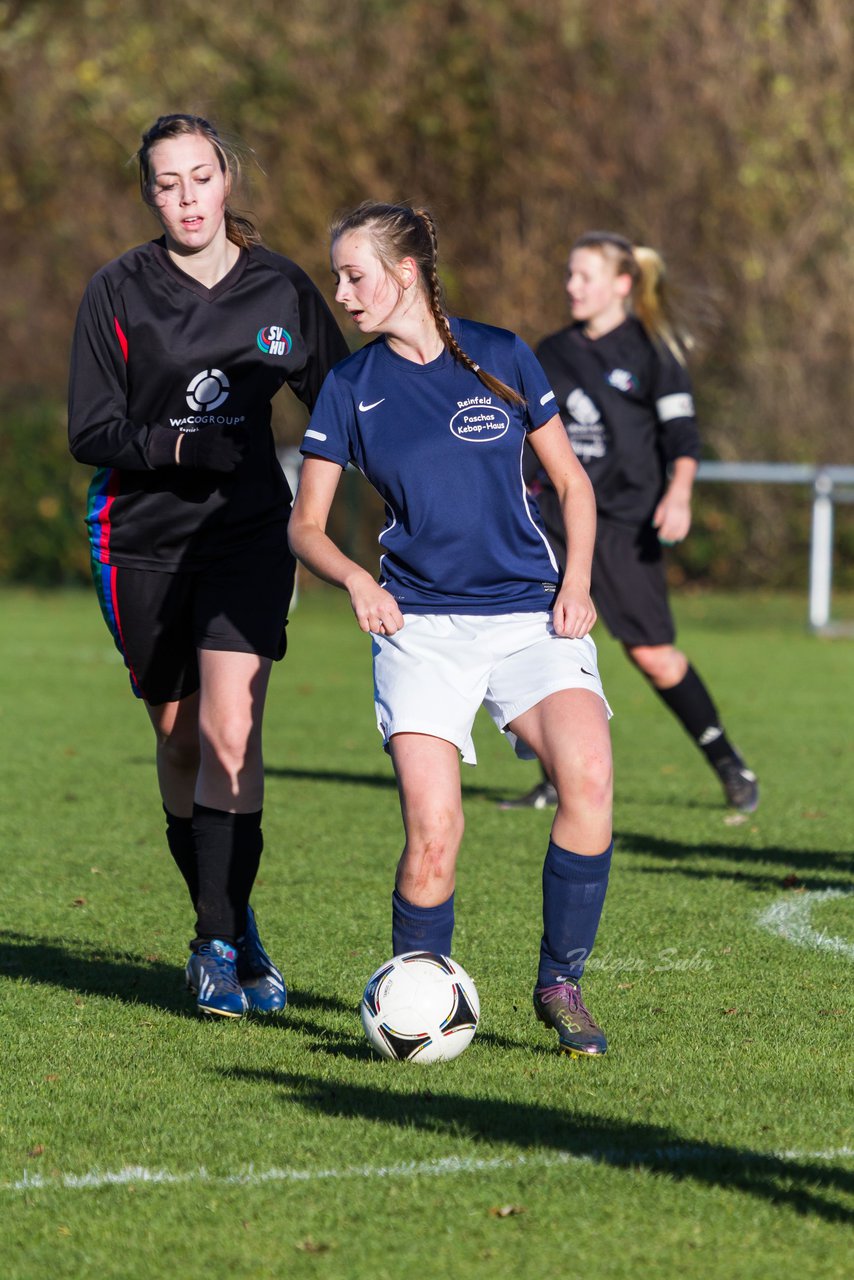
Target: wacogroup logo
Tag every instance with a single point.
(208, 390)
(273, 340)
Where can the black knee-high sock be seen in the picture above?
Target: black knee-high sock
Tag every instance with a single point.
(179, 837)
(228, 850)
(691, 702)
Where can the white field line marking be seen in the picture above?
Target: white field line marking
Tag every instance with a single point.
(676, 1155)
(789, 918)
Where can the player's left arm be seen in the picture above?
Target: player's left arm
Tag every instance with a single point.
(672, 516)
(573, 613)
(680, 444)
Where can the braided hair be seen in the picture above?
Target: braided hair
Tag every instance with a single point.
(238, 228)
(400, 231)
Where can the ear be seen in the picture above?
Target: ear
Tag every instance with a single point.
(407, 272)
(623, 285)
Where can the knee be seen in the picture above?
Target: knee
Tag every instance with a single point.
(596, 780)
(229, 745)
(587, 782)
(178, 750)
(662, 664)
(432, 843)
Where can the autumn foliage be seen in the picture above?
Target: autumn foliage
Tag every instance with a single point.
(718, 132)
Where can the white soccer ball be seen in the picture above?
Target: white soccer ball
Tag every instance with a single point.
(420, 1007)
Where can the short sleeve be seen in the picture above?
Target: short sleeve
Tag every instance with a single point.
(534, 386)
(329, 433)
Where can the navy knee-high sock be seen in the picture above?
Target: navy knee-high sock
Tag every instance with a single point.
(228, 850)
(179, 837)
(421, 928)
(574, 888)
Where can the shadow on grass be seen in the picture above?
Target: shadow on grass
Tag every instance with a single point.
(86, 969)
(801, 1184)
(804, 863)
(354, 1046)
(380, 781)
(332, 775)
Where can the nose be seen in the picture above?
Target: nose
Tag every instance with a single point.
(341, 291)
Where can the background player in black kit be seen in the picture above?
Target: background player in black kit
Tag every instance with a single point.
(624, 394)
(180, 345)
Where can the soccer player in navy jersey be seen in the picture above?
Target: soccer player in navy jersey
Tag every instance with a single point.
(625, 398)
(470, 606)
(180, 346)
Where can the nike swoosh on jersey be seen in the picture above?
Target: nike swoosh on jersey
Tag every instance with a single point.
(363, 408)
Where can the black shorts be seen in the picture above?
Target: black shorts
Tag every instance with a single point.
(629, 585)
(160, 620)
(629, 579)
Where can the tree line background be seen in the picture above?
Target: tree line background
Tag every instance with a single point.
(718, 132)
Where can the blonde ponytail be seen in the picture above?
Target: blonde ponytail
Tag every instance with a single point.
(651, 303)
(649, 299)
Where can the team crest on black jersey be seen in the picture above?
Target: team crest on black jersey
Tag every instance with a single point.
(273, 340)
(622, 380)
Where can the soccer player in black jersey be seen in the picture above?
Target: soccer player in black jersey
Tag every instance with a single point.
(624, 394)
(180, 346)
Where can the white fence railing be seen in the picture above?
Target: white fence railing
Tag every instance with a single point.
(829, 486)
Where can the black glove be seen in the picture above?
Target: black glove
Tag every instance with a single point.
(214, 448)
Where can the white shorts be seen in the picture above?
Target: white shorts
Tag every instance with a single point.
(433, 675)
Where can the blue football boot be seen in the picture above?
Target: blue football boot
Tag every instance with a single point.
(212, 978)
(262, 982)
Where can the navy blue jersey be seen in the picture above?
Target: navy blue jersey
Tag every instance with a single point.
(445, 454)
(156, 353)
(627, 407)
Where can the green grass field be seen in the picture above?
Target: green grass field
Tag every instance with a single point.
(713, 1140)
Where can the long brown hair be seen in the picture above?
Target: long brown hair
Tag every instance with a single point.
(238, 228)
(399, 231)
(649, 299)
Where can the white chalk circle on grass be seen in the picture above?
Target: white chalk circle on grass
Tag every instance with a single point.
(790, 918)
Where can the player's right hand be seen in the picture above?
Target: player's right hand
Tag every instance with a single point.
(214, 448)
(375, 608)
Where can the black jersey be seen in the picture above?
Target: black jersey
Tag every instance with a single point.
(154, 349)
(627, 407)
